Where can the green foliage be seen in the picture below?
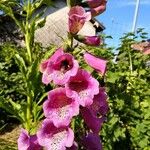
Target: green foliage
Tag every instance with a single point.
(25, 78)
(128, 82)
(18, 80)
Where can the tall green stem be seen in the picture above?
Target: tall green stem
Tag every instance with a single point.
(28, 113)
(27, 32)
(27, 41)
(71, 42)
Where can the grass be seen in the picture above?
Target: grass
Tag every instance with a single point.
(8, 139)
(7, 145)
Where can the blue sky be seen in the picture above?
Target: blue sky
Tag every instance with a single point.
(118, 17)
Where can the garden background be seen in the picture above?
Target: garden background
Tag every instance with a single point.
(127, 80)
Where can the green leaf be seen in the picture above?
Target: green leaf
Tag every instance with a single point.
(41, 23)
(112, 77)
(21, 64)
(15, 105)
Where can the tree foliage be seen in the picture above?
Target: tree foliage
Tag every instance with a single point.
(128, 82)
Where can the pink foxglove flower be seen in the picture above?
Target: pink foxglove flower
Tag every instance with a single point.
(95, 11)
(27, 142)
(53, 138)
(89, 40)
(92, 142)
(91, 120)
(59, 108)
(77, 18)
(82, 88)
(92, 40)
(45, 66)
(95, 62)
(94, 114)
(100, 105)
(59, 68)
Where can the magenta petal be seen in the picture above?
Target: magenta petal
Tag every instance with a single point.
(57, 53)
(70, 138)
(59, 108)
(82, 88)
(91, 120)
(95, 62)
(92, 142)
(26, 142)
(23, 140)
(59, 68)
(100, 104)
(77, 18)
(34, 143)
(89, 40)
(46, 77)
(92, 40)
(44, 64)
(63, 68)
(99, 9)
(52, 137)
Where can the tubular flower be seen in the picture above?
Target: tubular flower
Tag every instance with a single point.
(91, 120)
(82, 88)
(77, 18)
(95, 11)
(100, 105)
(46, 65)
(59, 108)
(53, 138)
(94, 114)
(27, 142)
(95, 62)
(89, 40)
(92, 142)
(59, 68)
(92, 40)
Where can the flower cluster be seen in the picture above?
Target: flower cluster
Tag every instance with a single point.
(78, 16)
(76, 92)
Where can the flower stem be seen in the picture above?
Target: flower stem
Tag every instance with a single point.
(71, 42)
(28, 113)
(27, 41)
(73, 124)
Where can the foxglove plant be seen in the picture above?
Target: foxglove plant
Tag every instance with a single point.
(75, 93)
